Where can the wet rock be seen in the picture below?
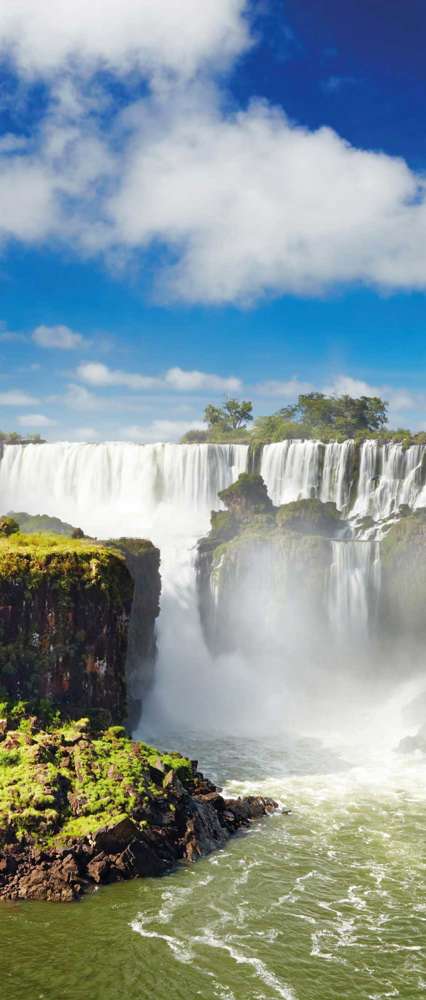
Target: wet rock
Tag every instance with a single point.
(113, 839)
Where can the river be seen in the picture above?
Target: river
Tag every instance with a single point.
(326, 903)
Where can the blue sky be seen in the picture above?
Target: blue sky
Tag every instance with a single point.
(199, 200)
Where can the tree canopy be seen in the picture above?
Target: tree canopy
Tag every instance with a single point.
(313, 415)
(12, 437)
(346, 415)
(232, 416)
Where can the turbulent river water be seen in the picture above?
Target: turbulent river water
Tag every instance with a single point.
(326, 903)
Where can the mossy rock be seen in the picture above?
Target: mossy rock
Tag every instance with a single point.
(309, 517)
(247, 494)
(63, 780)
(65, 608)
(403, 594)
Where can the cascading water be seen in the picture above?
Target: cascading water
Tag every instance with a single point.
(353, 586)
(166, 492)
(326, 902)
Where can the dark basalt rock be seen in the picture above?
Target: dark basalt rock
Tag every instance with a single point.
(82, 806)
(202, 822)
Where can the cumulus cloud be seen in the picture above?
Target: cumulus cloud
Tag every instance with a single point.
(401, 401)
(60, 336)
(252, 204)
(243, 203)
(160, 430)
(35, 420)
(14, 397)
(146, 35)
(98, 374)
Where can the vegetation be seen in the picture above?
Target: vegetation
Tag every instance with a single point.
(227, 423)
(37, 523)
(12, 437)
(314, 416)
(65, 607)
(60, 780)
(8, 526)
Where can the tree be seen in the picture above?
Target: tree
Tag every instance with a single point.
(213, 415)
(238, 413)
(344, 415)
(8, 526)
(232, 416)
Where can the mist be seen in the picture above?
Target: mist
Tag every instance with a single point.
(289, 642)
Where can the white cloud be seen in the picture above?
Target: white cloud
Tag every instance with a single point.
(28, 208)
(14, 397)
(160, 430)
(58, 336)
(288, 390)
(401, 401)
(252, 204)
(148, 35)
(187, 381)
(98, 374)
(35, 420)
(245, 204)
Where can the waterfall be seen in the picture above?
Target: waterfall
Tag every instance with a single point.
(353, 586)
(119, 488)
(166, 492)
(295, 470)
(390, 475)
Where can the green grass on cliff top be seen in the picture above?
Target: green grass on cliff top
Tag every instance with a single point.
(48, 541)
(64, 780)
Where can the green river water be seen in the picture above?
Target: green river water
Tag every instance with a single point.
(328, 903)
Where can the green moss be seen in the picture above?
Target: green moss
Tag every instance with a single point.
(64, 613)
(248, 493)
(310, 517)
(67, 780)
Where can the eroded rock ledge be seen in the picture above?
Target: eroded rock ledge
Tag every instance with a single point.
(81, 807)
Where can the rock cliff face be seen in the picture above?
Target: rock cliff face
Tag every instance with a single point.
(254, 548)
(66, 619)
(143, 562)
(403, 591)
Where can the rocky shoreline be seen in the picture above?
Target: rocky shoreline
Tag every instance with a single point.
(81, 807)
(203, 822)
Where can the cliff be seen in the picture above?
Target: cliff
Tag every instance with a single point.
(64, 616)
(403, 591)
(253, 548)
(143, 562)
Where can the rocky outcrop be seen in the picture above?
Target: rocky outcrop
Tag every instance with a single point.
(80, 807)
(75, 616)
(64, 617)
(403, 591)
(143, 562)
(283, 553)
